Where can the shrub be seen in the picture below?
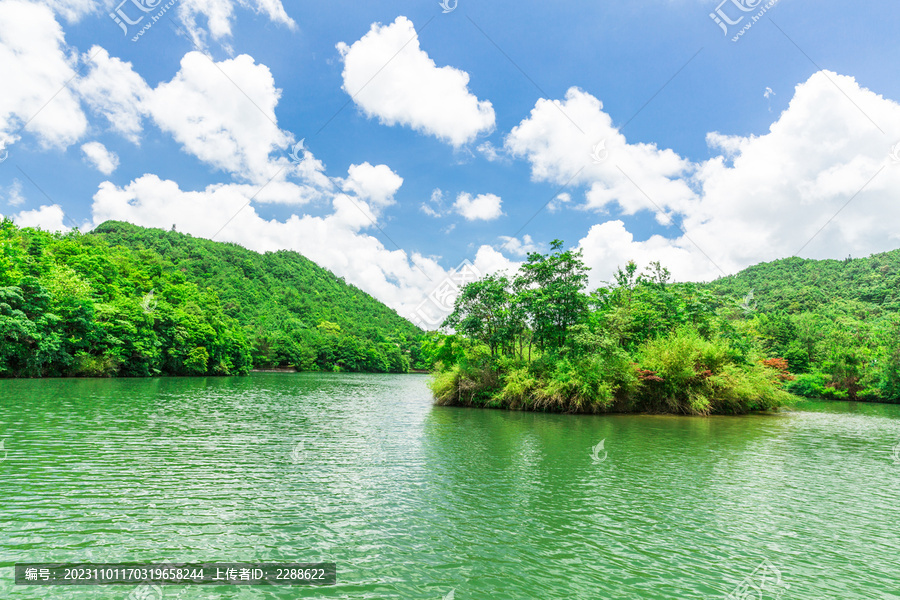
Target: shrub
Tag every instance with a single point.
(684, 373)
(810, 385)
(444, 386)
(519, 387)
(575, 387)
(96, 366)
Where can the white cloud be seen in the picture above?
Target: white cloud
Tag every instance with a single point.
(558, 202)
(488, 260)
(228, 122)
(103, 160)
(72, 10)
(560, 153)
(219, 15)
(435, 205)
(429, 211)
(35, 68)
(608, 246)
(112, 89)
(14, 195)
(490, 152)
(519, 247)
(222, 113)
(49, 218)
(390, 77)
(483, 207)
(780, 189)
(375, 184)
(783, 186)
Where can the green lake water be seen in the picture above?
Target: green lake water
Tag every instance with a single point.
(414, 501)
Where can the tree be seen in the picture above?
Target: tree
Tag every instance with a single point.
(484, 311)
(549, 289)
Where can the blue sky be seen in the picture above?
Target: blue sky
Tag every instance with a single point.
(421, 151)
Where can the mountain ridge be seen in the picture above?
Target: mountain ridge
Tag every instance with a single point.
(125, 300)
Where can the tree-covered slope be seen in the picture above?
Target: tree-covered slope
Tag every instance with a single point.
(125, 300)
(269, 287)
(836, 322)
(796, 284)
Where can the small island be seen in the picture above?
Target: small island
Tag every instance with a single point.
(536, 340)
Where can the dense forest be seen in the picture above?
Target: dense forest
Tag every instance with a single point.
(538, 340)
(129, 301)
(835, 322)
(124, 300)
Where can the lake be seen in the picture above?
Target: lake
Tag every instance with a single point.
(414, 501)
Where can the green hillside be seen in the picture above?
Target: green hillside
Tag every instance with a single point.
(796, 284)
(835, 322)
(127, 300)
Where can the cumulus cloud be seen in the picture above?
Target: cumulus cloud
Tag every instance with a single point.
(483, 207)
(609, 245)
(489, 260)
(561, 153)
(819, 184)
(49, 218)
(228, 122)
(782, 187)
(35, 66)
(375, 184)
(103, 160)
(410, 89)
(111, 88)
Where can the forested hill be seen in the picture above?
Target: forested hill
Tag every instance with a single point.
(835, 322)
(130, 301)
(796, 285)
(266, 289)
